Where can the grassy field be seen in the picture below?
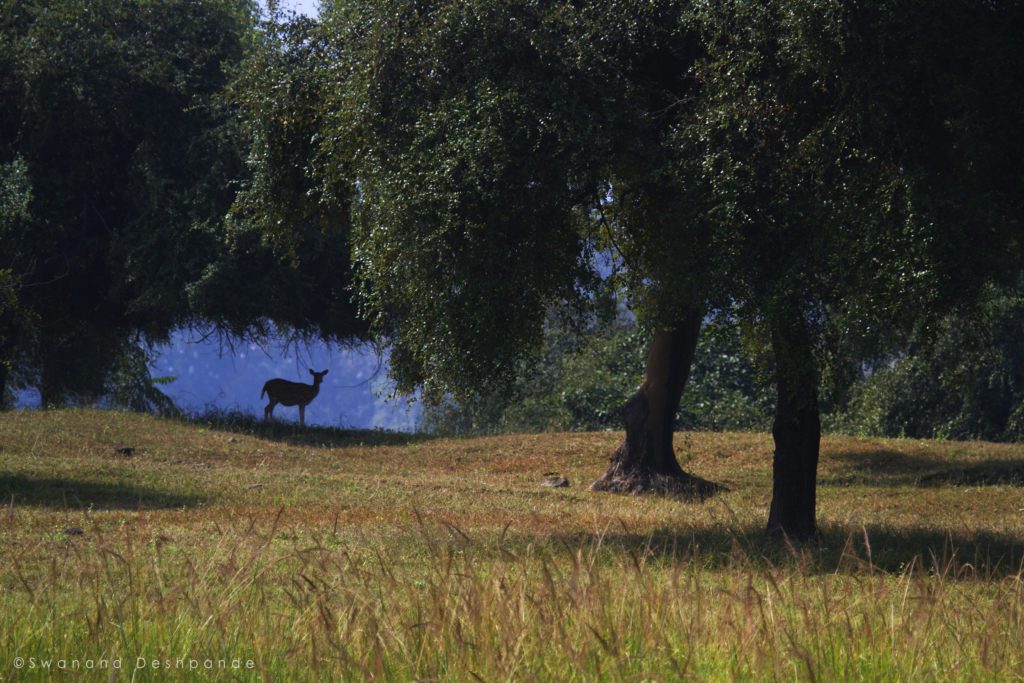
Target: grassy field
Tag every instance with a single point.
(233, 551)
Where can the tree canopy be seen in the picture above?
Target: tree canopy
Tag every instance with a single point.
(834, 174)
(123, 150)
(110, 115)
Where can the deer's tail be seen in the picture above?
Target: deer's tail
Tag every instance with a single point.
(263, 393)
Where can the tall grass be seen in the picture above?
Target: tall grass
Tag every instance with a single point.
(446, 606)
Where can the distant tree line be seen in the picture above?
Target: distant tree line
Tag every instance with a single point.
(964, 379)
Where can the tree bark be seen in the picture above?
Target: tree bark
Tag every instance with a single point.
(646, 461)
(796, 430)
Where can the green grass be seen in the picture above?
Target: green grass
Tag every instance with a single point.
(331, 555)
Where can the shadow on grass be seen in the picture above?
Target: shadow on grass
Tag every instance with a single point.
(892, 468)
(297, 435)
(885, 467)
(76, 494)
(985, 473)
(840, 549)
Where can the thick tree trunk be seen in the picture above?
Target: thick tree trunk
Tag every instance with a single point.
(646, 462)
(797, 430)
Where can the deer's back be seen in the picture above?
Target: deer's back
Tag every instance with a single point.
(289, 393)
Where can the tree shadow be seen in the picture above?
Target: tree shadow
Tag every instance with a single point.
(295, 434)
(838, 549)
(76, 494)
(985, 473)
(892, 468)
(883, 465)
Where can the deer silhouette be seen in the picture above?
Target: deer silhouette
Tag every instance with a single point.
(291, 394)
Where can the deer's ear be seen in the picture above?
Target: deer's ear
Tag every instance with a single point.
(325, 372)
(311, 372)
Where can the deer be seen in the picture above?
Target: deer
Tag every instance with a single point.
(291, 394)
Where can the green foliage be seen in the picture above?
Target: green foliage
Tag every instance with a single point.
(131, 386)
(579, 379)
(775, 170)
(110, 115)
(583, 376)
(856, 196)
(125, 132)
(837, 176)
(465, 136)
(967, 381)
(15, 195)
(284, 256)
(16, 323)
(727, 390)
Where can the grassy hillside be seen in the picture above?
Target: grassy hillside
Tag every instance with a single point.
(319, 554)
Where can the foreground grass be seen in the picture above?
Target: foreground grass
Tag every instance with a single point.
(320, 554)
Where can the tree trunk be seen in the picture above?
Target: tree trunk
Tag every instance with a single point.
(3, 384)
(7, 333)
(51, 390)
(646, 462)
(797, 429)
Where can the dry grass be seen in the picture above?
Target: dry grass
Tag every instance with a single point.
(321, 554)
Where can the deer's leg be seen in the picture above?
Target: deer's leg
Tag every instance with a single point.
(268, 412)
(302, 414)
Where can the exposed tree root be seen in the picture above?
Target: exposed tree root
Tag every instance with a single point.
(641, 481)
(645, 463)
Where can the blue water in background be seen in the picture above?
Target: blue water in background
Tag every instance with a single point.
(209, 374)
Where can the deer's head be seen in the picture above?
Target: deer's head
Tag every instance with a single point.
(318, 377)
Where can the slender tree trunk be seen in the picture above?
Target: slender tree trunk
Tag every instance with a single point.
(797, 430)
(646, 462)
(3, 384)
(51, 392)
(7, 333)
